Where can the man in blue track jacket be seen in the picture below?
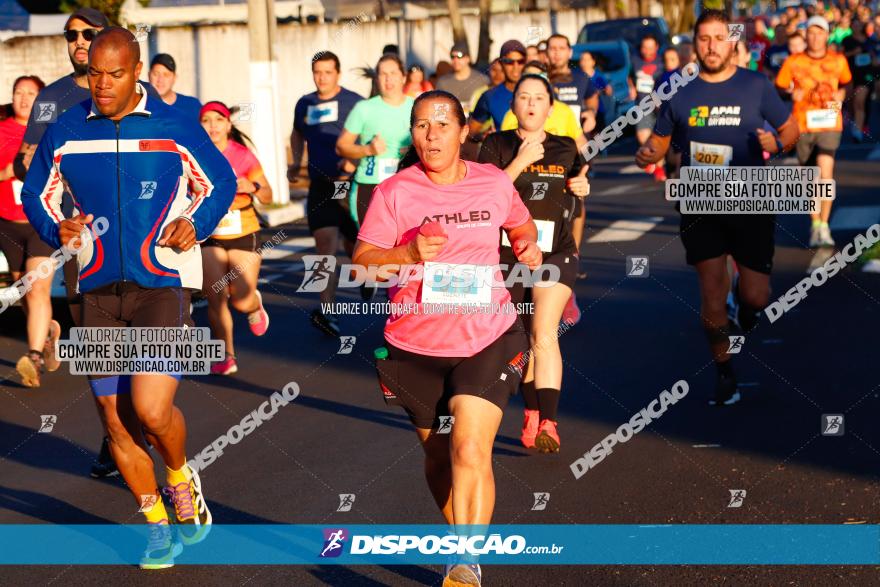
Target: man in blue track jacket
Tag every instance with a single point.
(162, 187)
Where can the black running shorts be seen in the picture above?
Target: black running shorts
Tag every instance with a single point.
(323, 210)
(423, 385)
(19, 242)
(249, 242)
(750, 239)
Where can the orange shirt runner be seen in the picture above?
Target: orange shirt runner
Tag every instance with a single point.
(818, 109)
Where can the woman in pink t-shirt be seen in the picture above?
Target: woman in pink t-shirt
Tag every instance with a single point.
(22, 246)
(454, 340)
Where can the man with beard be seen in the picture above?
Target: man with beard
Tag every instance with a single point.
(717, 119)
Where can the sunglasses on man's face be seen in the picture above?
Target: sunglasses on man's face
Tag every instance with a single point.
(456, 55)
(87, 34)
(507, 61)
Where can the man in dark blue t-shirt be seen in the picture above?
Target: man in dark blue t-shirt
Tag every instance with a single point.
(495, 102)
(647, 67)
(572, 86)
(163, 74)
(718, 119)
(318, 120)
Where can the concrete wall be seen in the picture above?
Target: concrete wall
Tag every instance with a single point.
(222, 71)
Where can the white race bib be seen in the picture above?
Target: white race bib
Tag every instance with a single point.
(545, 235)
(709, 155)
(863, 59)
(16, 191)
(576, 108)
(824, 119)
(457, 284)
(387, 168)
(326, 112)
(644, 83)
(229, 225)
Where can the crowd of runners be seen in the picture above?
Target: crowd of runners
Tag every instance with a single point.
(461, 173)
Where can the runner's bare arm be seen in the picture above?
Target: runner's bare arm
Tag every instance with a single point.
(346, 146)
(788, 135)
(421, 248)
(525, 243)
(653, 150)
(477, 130)
(297, 149)
(22, 161)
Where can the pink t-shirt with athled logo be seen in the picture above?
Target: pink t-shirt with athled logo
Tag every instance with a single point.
(471, 212)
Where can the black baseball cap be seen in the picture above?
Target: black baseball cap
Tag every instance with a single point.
(460, 48)
(511, 46)
(166, 60)
(94, 17)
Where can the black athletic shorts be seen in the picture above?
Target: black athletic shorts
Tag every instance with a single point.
(323, 210)
(578, 208)
(750, 239)
(125, 304)
(249, 242)
(519, 293)
(423, 384)
(19, 242)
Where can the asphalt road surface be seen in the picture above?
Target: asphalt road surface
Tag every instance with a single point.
(637, 337)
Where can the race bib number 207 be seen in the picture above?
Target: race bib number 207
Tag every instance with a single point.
(709, 155)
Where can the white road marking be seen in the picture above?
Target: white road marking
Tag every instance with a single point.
(625, 230)
(632, 170)
(289, 247)
(268, 278)
(854, 217)
(613, 191)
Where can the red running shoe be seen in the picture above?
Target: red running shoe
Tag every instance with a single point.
(259, 319)
(548, 438)
(530, 428)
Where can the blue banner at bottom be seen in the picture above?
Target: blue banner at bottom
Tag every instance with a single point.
(42, 544)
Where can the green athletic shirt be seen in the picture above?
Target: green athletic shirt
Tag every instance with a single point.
(373, 116)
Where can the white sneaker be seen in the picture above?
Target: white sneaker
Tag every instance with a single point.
(815, 236)
(825, 236)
